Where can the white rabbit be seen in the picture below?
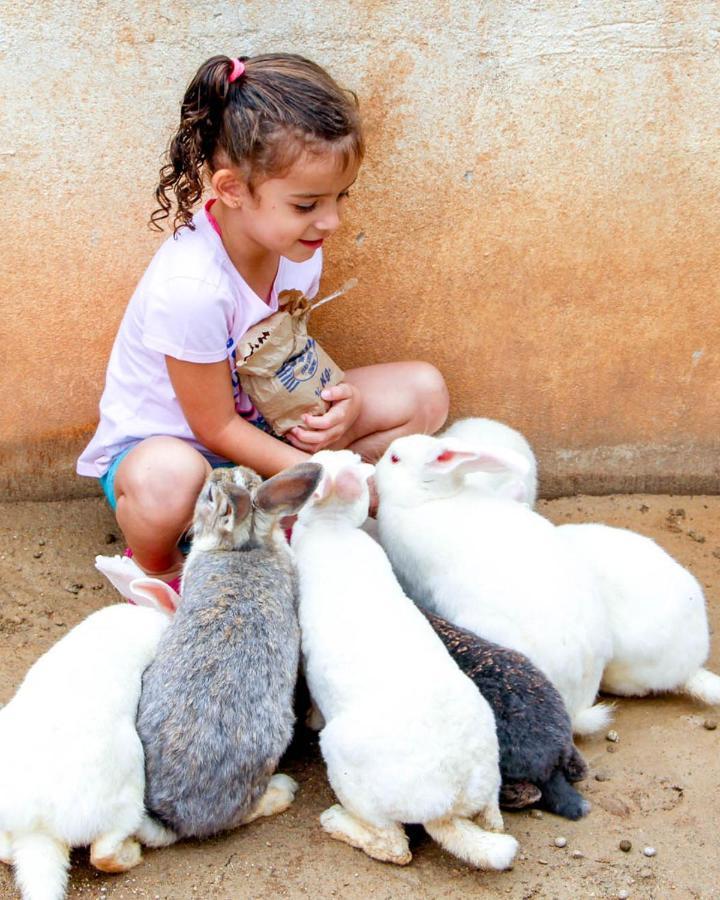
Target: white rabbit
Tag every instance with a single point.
(71, 762)
(656, 611)
(493, 566)
(484, 434)
(408, 737)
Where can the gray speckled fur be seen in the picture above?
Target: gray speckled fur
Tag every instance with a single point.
(533, 726)
(215, 713)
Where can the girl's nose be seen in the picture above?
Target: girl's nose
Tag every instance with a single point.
(329, 220)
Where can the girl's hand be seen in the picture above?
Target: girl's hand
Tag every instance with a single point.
(320, 432)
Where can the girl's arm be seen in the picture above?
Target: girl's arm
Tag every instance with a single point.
(205, 394)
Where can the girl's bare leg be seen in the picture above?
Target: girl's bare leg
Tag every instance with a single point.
(156, 487)
(397, 399)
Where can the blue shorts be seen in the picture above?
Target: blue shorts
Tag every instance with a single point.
(107, 481)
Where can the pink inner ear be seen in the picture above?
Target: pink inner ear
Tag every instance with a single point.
(454, 456)
(154, 589)
(347, 485)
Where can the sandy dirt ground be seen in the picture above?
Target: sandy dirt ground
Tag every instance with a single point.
(656, 787)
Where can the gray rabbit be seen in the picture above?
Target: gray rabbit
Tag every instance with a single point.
(216, 709)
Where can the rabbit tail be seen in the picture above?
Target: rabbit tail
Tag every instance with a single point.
(41, 866)
(704, 686)
(469, 842)
(561, 798)
(593, 719)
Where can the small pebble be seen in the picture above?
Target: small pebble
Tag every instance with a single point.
(536, 814)
(602, 775)
(41, 542)
(649, 851)
(710, 724)
(625, 846)
(623, 894)
(612, 736)
(646, 873)
(560, 842)
(38, 554)
(576, 854)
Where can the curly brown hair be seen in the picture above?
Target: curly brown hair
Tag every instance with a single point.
(281, 106)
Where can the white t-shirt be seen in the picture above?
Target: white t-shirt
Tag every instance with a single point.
(191, 304)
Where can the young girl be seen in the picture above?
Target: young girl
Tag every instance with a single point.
(280, 144)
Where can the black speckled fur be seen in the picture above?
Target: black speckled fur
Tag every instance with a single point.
(533, 726)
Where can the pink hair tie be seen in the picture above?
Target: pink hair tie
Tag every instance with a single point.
(238, 69)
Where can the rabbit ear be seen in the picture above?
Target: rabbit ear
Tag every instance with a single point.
(156, 594)
(515, 489)
(240, 499)
(349, 484)
(286, 492)
(454, 456)
(120, 571)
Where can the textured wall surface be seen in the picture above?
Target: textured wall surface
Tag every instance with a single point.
(538, 214)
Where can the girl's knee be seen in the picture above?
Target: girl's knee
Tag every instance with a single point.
(163, 477)
(431, 397)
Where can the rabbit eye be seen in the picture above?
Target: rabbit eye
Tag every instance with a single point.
(445, 456)
(394, 458)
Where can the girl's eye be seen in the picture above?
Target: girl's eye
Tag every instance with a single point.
(309, 208)
(344, 195)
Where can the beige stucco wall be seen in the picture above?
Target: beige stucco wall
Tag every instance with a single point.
(538, 214)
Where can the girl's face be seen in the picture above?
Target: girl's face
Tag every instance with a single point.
(293, 215)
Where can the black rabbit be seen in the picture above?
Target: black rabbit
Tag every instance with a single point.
(538, 760)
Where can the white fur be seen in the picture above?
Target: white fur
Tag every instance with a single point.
(482, 434)
(656, 611)
(492, 566)
(408, 737)
(71, 762)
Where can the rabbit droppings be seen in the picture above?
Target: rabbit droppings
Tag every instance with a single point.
(408, 738)
(216, 710)
(656, 610)
(533, 726)
(493, 566)
(71, 762)
(483, 434)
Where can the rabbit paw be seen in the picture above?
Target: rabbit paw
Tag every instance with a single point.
(153, 834)
(109, 854)
(279, 795)
(386, 844)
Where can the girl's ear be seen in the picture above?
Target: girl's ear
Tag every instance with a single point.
(230, 188)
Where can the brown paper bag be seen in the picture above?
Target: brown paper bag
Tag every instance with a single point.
(282, 369)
